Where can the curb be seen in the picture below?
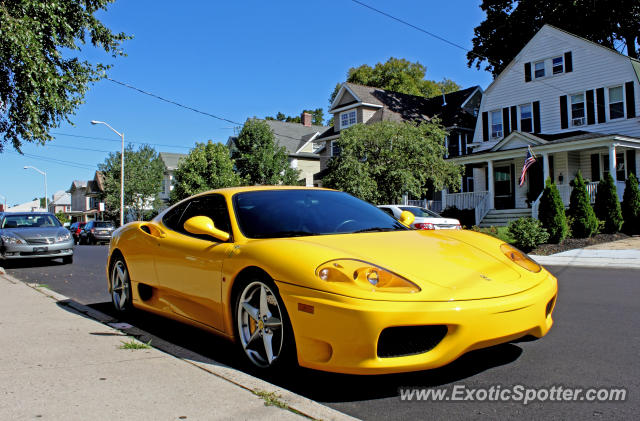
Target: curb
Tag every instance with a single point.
(294, 402)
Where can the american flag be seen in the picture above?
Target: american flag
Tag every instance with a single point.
(528, 161)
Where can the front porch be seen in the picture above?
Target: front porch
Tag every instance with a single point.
(491, 183)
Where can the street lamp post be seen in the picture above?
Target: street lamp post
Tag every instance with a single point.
(46, 199)
(121, 168)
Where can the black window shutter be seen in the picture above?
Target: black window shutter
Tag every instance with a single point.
(463, 143)
(591, 111)
(564, 116)
(568, 62)
(485, 126)
(514, 118)
(536, 117)
(527, 72)
(595, 167)
(631, 100)
(631, 162)
(505, 121)
(600, 105)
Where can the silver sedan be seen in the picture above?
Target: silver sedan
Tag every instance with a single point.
(34, 235)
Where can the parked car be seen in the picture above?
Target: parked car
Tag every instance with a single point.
(97, 232)
(320, 277)
(425, 218)
(75, 230)
(34, 234)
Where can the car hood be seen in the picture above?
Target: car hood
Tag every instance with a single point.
(447, 267)
(42, 232)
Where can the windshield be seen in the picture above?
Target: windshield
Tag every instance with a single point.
(104, 224)
(28, 220)
(292, 213)
(420, 212)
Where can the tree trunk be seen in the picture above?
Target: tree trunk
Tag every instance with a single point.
(630, 40)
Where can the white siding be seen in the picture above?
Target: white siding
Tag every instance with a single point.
(560, 165)
(479, 179)
(593, 67)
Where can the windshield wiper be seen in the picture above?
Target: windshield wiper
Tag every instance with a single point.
(374, 229)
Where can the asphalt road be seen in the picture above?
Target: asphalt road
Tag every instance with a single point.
(595, 342)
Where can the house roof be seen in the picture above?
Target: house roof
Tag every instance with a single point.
(397, 106)
(292, 136)
(171, 159)
(61, 198)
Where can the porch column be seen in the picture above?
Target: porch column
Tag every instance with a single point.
(490, 181)
(444, 199)
(612, 162)
(545, 168)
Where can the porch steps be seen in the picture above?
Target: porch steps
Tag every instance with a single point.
(502, 217)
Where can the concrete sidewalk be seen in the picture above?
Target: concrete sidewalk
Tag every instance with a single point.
(622, 254)
(57, 363)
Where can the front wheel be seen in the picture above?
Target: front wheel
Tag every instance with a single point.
(120, 286)
(262, 327)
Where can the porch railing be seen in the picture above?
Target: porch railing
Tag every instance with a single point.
(434, 205)
(468, 200)
(482, 208)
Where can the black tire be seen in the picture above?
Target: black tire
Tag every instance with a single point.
(120, 286)
(92, 241)
(276, 325)
(67, 260)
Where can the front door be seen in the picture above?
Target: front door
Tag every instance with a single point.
(504, 187)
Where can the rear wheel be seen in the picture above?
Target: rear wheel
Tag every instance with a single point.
(263, 330)
(120, 286)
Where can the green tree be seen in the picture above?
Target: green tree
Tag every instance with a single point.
(510, 24)
(398, 75)
(631, 206)
(583, 219)
(208, 166)
(551, 213)
(62, 217)
(143, 172)
(41, 82)
(317, 117)
(259, 159)
(607, 205)
(382, 161)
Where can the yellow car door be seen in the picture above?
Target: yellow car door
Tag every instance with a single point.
(189, 266)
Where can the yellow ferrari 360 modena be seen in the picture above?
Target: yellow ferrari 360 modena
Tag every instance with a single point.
(325, 279)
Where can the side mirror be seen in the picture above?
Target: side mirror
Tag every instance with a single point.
(204, 225)
(407, 218)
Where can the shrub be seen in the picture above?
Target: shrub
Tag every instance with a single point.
(583, 221)
(631, 206)
(607, 206)
(551, 213)
(527, 233)
(467, 217)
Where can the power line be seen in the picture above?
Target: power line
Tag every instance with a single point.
(438, 37)
(117, 140)
(54, 160)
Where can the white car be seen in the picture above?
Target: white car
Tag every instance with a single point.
(425, 219)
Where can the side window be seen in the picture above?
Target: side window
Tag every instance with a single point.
(214, 206)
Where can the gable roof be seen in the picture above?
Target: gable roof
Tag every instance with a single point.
(396, 106)
(171, 159)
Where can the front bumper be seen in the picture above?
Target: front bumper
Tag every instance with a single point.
(342, 333)
(30, 251)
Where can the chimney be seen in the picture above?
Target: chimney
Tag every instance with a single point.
(306, 119)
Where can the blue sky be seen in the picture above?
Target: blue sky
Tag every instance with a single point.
(234, 60)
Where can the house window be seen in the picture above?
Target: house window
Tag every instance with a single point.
(335, 148)
(577, 110)
(347, 119)
(621, 170)
(539, 69)
(616, 103)
(557, 65)
(526, 118)
(496, 124)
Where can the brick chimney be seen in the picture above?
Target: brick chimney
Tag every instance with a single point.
(306, 119)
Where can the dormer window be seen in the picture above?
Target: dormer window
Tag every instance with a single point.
(347, 119)
(557, 65)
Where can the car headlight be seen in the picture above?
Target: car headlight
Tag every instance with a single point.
(11, 239)
(520, 258)
(65, 236)
(365, 276)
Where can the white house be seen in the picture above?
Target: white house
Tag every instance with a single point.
(170, 161)
(574, 102)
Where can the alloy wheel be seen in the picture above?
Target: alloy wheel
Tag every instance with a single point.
(260, 324)
(120, 286)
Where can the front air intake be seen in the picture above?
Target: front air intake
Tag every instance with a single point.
(401, 341)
